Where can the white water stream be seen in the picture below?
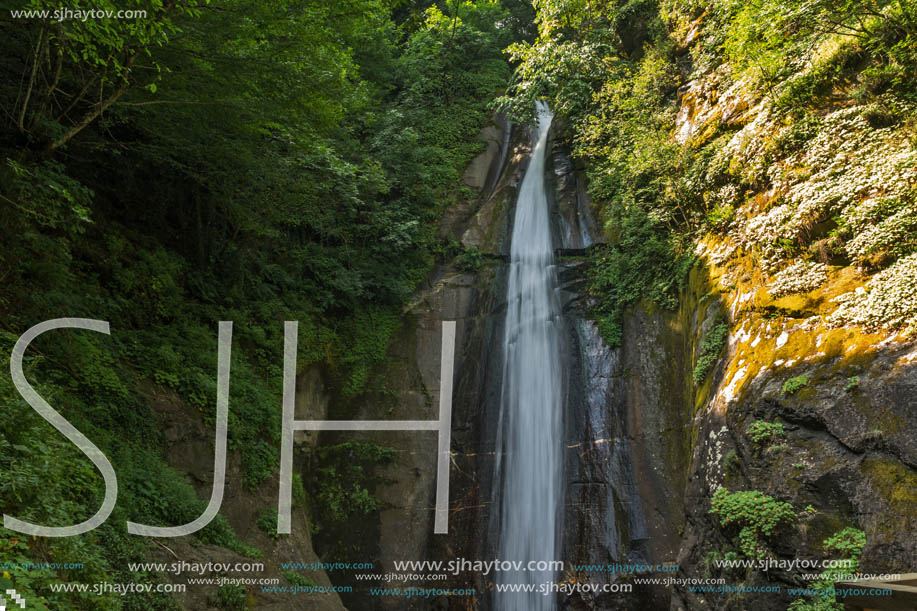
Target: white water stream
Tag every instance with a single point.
(530, 434)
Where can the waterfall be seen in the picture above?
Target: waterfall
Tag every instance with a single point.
(530, 430)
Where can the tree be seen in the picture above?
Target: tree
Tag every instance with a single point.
(71, 69)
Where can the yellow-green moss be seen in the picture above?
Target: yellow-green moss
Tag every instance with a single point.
(896, 484)
(796, 303)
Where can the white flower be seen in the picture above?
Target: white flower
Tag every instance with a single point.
(800, 277)
(889, 299)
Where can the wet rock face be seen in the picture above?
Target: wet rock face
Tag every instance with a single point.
(626, 441)
(606, 462)
(478, 379)
(597, 474)
(485, 169)
(597, 468)
(576, 224)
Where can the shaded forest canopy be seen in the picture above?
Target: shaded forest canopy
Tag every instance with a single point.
(229, 160)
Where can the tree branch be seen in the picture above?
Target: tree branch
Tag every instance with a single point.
(99, 108)
(28, 91)
(77, 98)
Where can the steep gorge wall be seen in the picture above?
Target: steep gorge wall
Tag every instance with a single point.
(623, 420)
(817, 341)
(626, 443)
(847, 458)
(625, 436)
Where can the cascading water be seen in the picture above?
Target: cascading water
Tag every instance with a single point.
(530, 431)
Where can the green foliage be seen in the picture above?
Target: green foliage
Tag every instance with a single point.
(732, 466)
(575, 51)
(755, 514)
(805, 88)
(344, 477)
(794, 384)
(47, 196)
(613, 70)
(720, 217)
(45, 479)
(611, 328)
(756, 40)
(884, 232)
(767, 38)
(298, 579)
(231, 597)
(848, 544)
(711, 559)
(764, 433)
(642, 264)
(609, 68)
(470, 259)
(368, 332)
(267, 522)
(77, 68)
(802, 130)
(853, 383)
(709, 351)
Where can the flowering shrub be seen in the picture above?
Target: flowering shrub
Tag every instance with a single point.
(881, 226)
(800, 277)
(849, 160)
(888, 300)
(764, 230)
(746, 151)
(862, 176)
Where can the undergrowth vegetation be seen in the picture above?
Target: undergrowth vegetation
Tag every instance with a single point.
(755, 514)
(764, 433)
(794, 384)
(344, 476)
(846, 547)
